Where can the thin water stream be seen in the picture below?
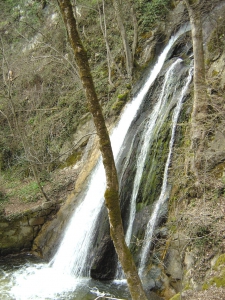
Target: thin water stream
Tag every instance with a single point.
(163, 195)
(153, 122)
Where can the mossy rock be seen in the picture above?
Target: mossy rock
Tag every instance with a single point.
(218, 281)
(220, 261)
(71, 160)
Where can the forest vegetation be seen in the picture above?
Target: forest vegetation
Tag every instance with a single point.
(43, 114)
(46, 93)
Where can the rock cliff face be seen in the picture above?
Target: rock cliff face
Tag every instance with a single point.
(17, 233)
(195, 237)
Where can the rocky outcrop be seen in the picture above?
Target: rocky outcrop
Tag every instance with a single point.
(104, 264)
(17, 232)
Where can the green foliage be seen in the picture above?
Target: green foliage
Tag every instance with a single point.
(203, 237)
(151, 12)
(29, 192)
(117, 106)
(123, 97)
(3, 197)
(120, 102)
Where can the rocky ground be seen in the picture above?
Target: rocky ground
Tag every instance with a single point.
(211, 294)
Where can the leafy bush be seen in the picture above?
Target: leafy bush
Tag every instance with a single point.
(151, 12)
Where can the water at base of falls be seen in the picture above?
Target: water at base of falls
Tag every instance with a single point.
(40, 282)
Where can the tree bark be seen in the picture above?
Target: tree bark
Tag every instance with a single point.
(135, 26)
(112, 188)
(199, 112)
(110, 59)
(126, 47)
(104, 33)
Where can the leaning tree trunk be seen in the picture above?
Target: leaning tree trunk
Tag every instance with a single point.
(199, 112)
(112, 189)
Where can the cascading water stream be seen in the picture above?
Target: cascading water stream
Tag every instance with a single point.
(162, 198)
(71, 259)
(147, 138)
(72, 254)
(151, 128)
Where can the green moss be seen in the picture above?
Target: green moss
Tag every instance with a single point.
(205, 286)
(219, 170)
(220, 261)
(214, 73)
(123, 97)
(176, 297)
(71, 160)
(218, 281)
(117, 106)
(187, 287)
(120, 102)
(110, 194)
(173, 228)
(152, 174)
(140, 206)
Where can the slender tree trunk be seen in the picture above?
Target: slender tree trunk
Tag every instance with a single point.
(28, 154)
(110, 60)
(135, 26)
(104, 33)
(112, 189)
(199, 112)
(126, 47)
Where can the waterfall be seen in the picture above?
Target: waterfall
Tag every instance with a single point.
(72, 254)
(147, 137)
(71, 260)
(153, 219)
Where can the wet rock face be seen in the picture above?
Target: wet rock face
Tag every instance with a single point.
(17, 233)
(104, 264)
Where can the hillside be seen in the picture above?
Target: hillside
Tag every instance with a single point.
(47, 96)
(48, 140)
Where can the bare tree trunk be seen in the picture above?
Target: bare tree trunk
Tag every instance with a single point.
(110, 59)
(27, 151)
(104, 32)
(112, 189)
(199, 112)
(135, 26)
(126, 47)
